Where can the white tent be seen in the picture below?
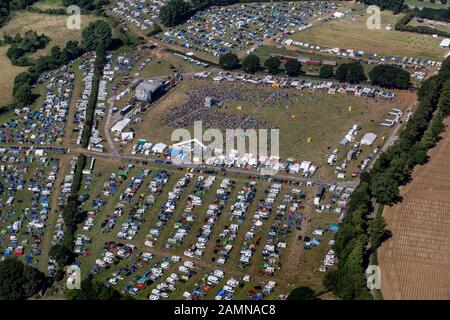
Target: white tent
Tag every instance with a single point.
(368, 138)
(120, 125)
(159, 148)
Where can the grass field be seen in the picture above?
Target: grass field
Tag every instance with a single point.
(22, 21)
(51, 25)
(8, 74)
(355, 35)
(302, 117)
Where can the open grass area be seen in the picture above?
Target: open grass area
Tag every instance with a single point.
(352, 33)
(50, 25)
(8, 73)
(311, 124)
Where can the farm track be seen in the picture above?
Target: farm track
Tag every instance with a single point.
(53, 216)
(415, 262)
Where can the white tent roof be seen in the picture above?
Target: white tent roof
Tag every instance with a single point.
(368, 138)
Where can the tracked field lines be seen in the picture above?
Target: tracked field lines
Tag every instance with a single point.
(415, 262)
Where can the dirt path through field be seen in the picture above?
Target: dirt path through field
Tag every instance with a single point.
(53, 216)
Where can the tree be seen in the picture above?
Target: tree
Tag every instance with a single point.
(18, 281)
(293, 68)
(96, 33)
(385, 188)
(389, 76)
(229, 61)
(326, 71)
(251, 63)
(24, 95)
(93, 291)
(272, 65)
(355, 73)
(302, 293)
(394, 5)
(341, 72)
(377, 231)
(175, 12)
(352, 72)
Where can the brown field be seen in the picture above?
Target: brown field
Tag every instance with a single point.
(8, 74)
(50, 25)
(415, 262)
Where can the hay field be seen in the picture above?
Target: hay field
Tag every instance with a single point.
(349, 34)
(51, 25)
(8, 74)
(415, 262)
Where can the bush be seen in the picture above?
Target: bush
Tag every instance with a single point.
(251, 63)
(293, 68)
(18, 281)
(302, 293)
(272, 65)
(389, 76)
(229, 61)
(326, 71)
(352, 72)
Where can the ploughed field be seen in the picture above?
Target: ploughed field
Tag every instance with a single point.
(415, 262)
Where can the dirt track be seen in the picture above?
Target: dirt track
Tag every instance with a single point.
(415, 262)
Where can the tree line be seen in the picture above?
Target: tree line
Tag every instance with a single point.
(386, 76)
(21, 45)
(358, 237)
(402, 25)
(7, 6)
(394, 5)
(89, 5)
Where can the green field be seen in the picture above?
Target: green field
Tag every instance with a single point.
(349, 34)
